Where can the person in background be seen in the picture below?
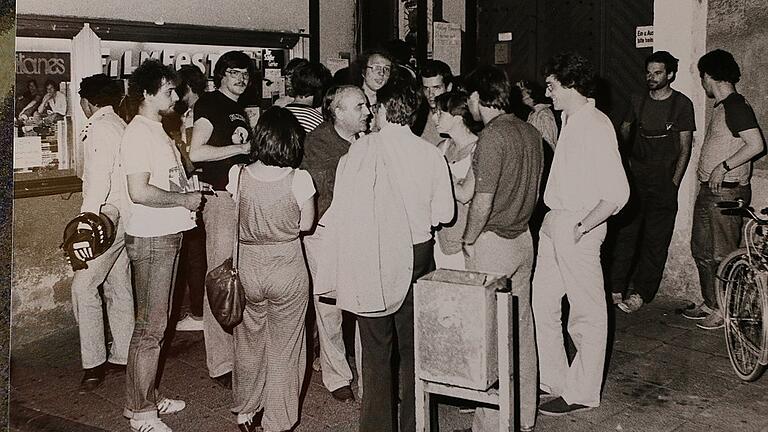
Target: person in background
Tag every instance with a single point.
(453, 119)
(160, 208)
(308, 83)
(732, 140)
(54, 103)
(103, 189)
(658, 159)
(276, 204)
(27, 102)
(193, 267)
(220, 139)
(375, 70)
(586, 185)
(287, 74)
(436, 79)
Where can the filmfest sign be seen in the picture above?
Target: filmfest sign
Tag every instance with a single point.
(644, 37)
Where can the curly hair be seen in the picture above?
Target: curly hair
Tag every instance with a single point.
(492, 85)
(101, 90)
(279, 139)
(455, 103)
(358, 67)
(402, 100)
(720, 65)
(149, 77)
(573, 71)
(231, 59)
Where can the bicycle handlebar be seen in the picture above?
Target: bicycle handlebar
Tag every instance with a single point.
(740, 204)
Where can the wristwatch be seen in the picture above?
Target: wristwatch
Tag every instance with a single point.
(725, 165)
(581, 230)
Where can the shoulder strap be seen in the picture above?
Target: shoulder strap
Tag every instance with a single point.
(236, 252)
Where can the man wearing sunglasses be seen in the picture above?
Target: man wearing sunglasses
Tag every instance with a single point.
(220, 139)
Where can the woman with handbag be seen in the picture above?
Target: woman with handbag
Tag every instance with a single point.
(275, 203)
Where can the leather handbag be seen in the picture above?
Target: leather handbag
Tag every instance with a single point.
(222, 284)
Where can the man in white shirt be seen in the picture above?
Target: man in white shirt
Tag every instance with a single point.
(102, 193)
(161, 208)
(391, 188)
(586, 185)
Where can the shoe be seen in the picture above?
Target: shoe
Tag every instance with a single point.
(699, 312)
(631, 304)
(116, 369)
(149, 425)
(713, 322)
(190, 323)
(252, 425)
(543, 394)
(170, 406)
(224, 380)
(617, 298)
(343, 394)
(559, 407)
(526, 428)
(92, 378)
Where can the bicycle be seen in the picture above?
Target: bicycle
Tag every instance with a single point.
(742, 291)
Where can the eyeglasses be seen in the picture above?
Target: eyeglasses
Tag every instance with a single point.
(234, 73)
(380, 69)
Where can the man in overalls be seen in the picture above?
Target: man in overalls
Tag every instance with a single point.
(664, 124)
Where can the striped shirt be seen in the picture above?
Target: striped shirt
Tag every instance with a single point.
(308, 117)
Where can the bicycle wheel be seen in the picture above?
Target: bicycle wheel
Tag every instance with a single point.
(745, 305)
(723, 272)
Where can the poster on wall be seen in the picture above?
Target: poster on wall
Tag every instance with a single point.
(447, 45)
(42, 111)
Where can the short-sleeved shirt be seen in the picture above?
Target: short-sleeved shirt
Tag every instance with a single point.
(226, 116)
(729, 117)
(146, 148)
(656, 112)
(507, 163)
(309, 118)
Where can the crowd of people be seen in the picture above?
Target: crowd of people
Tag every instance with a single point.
(356, 184)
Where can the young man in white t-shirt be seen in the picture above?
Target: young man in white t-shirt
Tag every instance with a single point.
(160, 209)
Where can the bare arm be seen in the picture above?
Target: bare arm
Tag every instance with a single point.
(141, 192)
(686, 137)
(200, 151)
(753, 146)
(625, 129)
(307, 214)
(479, 211)
(602, 211)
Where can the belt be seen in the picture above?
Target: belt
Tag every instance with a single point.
(726, 184)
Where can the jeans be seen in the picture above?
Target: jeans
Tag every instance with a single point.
(378, 336)
(192, 270)
(154, 261)
(111, 269)
(714, 234)
(512, 257)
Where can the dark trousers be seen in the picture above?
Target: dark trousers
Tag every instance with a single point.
(714, 234)
(379, 337)
(644, 230)
(192, 270)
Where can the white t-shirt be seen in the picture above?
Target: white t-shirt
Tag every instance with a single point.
(302, 187)
(146, 148)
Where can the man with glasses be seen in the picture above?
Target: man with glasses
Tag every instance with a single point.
(220, 139)
(376, 71)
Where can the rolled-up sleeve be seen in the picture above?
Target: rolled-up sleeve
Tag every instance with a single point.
(610, 179)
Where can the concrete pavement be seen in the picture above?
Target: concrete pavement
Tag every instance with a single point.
(664, 375)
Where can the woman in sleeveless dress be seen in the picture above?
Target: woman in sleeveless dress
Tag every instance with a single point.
(276, 204)
(453, 119)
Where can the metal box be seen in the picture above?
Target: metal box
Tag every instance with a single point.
(455, 327)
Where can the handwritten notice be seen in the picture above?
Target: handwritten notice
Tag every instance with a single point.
(447, 45)
(336, 64)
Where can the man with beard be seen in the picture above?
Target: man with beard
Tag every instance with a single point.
(664, 123)
(346, 114)
(159, 208)
(220, 139)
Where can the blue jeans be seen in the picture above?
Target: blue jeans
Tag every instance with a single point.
(714, 234)
(154, 262)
